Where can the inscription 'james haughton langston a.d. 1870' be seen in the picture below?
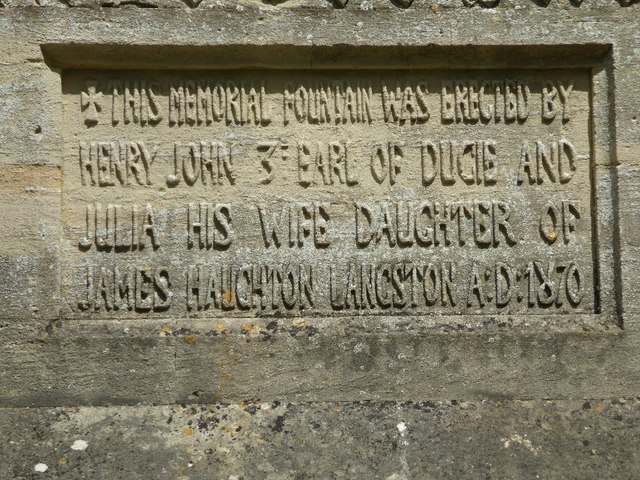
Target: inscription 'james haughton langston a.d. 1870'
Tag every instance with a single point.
(244, 193)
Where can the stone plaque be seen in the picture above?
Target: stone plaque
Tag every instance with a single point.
(342, 192)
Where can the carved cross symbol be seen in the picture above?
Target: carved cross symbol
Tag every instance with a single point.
(90, 104)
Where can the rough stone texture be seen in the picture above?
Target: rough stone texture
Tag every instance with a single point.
(377, 440)
(216, 395)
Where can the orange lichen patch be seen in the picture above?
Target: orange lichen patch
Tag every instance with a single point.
(187, 431)
(598, 408)
(229, 296)
(248, 329)
(337, 408)
(164, 331)
(552, 235)
(221, 327)
(435, 8)
(298, 323)
(190, 339)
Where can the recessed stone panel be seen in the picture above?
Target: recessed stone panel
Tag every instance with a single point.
(328, 192)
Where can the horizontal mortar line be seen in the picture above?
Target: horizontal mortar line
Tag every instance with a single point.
(374, 331)
(501, 399)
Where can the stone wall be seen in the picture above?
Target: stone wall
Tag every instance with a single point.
(305, 239)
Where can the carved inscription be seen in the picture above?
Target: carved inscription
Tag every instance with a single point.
(328, 192)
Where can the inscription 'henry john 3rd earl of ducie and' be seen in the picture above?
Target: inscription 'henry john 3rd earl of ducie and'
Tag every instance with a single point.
(244, 193)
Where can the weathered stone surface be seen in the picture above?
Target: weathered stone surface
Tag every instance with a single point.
(367, 323)
(375, 359)
(572, 439)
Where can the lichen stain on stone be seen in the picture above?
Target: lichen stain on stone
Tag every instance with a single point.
(517, 439)
(229, 297)
(165, 331)
(221, 327)
(187, 431)
(298, 323)
(79, 445)
(248, 329)
(190, 339)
